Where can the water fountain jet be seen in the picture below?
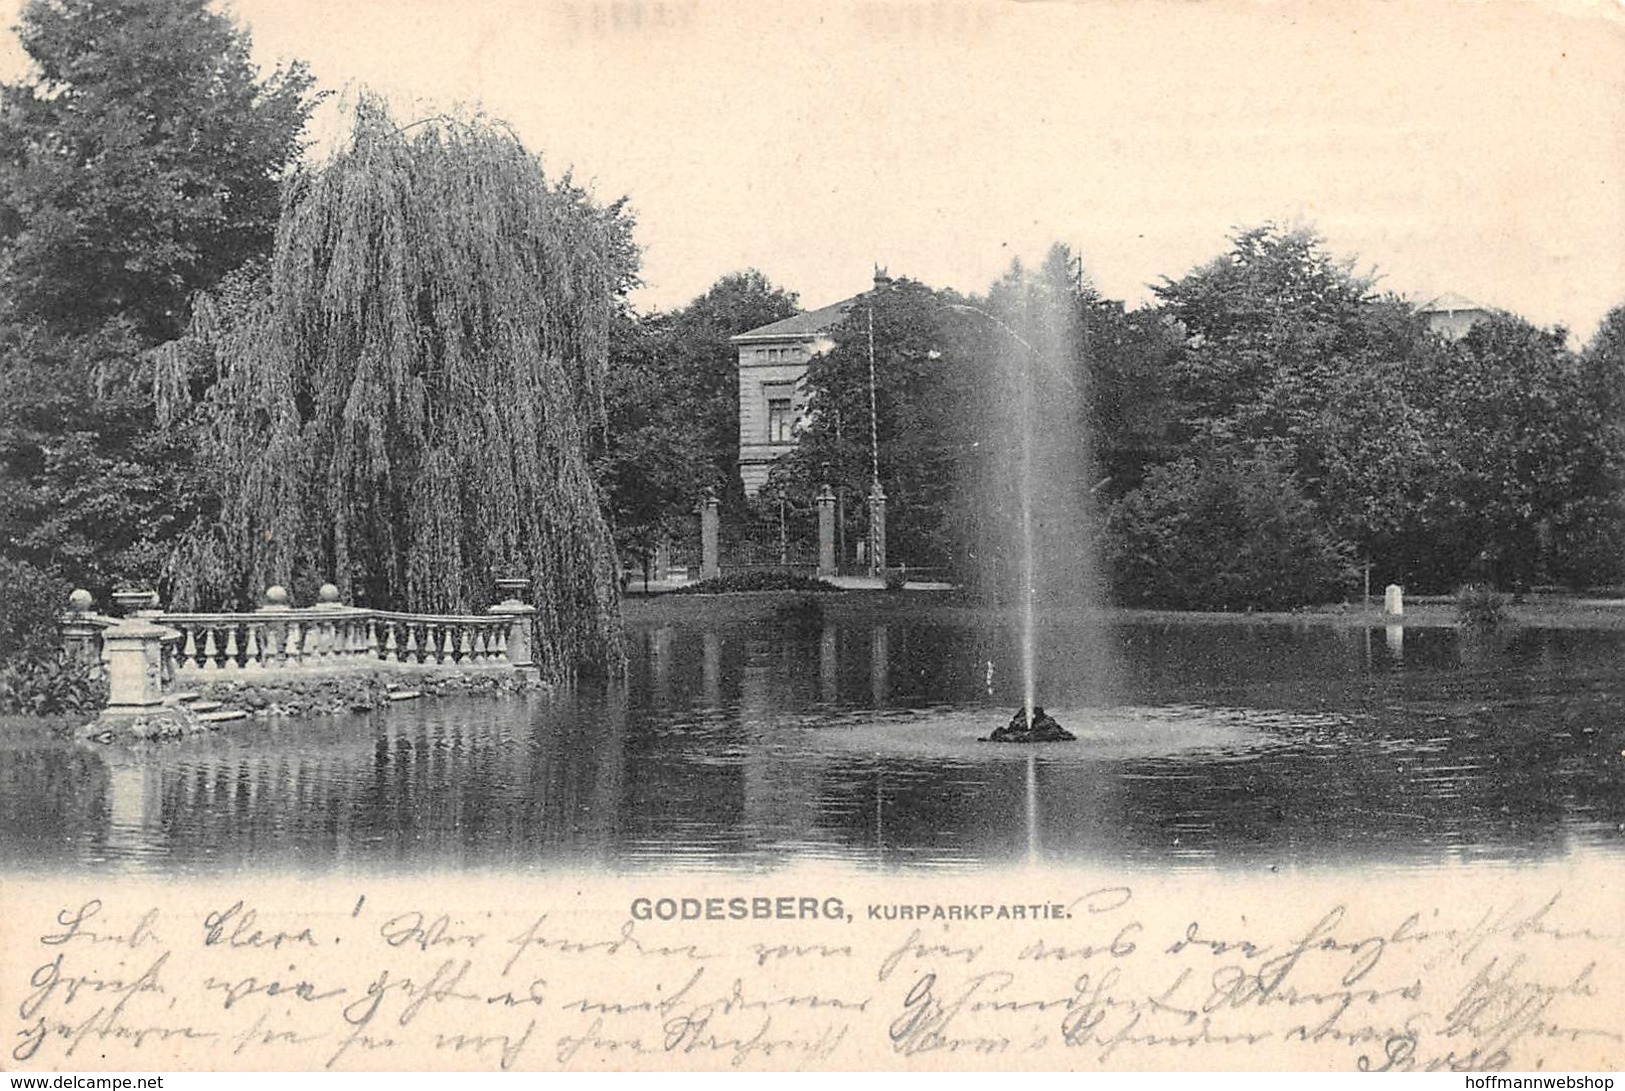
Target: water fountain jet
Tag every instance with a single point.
(1038, 403)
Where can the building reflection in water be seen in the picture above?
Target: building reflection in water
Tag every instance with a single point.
(829, 671)
(711, 670)
(880, 665)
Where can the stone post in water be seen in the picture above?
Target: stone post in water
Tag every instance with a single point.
(710, 561)
(1393, 601)
(826, 532)
(518, 614)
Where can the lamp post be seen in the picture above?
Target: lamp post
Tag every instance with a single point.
(877, 498)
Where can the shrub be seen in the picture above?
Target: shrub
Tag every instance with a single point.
(35, 675)
(1224, 532)
(1480, 608)
(762, 579)
(895, 578)
(56, 682)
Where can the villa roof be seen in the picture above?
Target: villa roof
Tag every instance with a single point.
(1450, 303)
(805, 325)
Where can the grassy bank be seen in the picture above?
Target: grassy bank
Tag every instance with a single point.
(1550, 612)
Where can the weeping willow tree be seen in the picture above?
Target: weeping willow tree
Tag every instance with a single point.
(401, 401)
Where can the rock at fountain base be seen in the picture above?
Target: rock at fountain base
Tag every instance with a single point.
(1042, 729)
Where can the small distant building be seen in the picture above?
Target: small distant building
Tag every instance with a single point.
(1451, 315)
(772, 402)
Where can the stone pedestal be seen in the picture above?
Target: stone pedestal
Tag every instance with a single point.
(1393, 601)
(518, 614)
(710, 556)
(133, 652)
(826, 532)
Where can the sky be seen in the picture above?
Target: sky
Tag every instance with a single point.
(1475, 148)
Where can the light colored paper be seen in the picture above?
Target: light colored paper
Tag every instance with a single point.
(1465, 965)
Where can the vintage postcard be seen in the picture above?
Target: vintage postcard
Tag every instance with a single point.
(1069, 536)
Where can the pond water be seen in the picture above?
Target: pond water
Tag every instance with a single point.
(758, 744)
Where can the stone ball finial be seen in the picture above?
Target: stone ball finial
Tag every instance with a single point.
(276, 595)
(80, 601)
(328, 594)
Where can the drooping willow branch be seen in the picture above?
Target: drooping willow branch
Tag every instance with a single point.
(401, 401)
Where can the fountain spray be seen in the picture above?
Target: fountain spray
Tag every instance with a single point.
(1037, 537)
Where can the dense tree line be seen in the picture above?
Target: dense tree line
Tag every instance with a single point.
(1269, 426)
(141, 161)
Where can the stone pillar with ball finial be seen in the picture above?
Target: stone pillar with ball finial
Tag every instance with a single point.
(826, 531)
(82, 627)
(877, 530)
(710, 557)
(282, 644)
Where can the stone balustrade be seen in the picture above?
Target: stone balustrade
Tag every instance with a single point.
(149, 651)
(337, 638)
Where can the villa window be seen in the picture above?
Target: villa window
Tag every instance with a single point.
(781, 420)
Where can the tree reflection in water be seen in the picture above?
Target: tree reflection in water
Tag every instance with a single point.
(746, 745)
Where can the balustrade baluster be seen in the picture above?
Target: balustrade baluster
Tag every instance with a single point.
(189, 649)
(465, 645)
(411, 642)
(209, 649)
(372, 639)
(291, 646)
(251, 657)
(392, 651)
(447, 652)
(230, 662)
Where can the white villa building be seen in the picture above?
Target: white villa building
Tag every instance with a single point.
(772, 404)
